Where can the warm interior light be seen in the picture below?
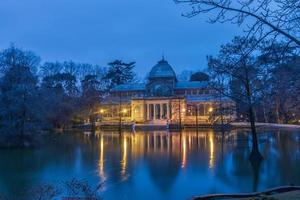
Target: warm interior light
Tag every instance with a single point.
(210, 109)
(124, 110)
(101, 111)
(183, 109)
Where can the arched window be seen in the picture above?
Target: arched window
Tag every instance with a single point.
(162, 90)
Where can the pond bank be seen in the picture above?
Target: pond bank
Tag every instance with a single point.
(279, 193)
(176, 127)
(266, 126)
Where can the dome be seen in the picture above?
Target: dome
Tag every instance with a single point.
(162, 70)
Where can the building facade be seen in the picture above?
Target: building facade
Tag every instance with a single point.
(164, 99)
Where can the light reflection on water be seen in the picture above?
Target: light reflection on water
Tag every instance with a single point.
(155, 165)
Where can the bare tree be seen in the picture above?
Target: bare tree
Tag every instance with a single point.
(240, 70)
(261, 18)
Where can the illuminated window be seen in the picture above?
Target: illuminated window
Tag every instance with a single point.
(201, 110)
(191, 110)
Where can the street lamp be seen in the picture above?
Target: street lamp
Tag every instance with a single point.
(102, 111)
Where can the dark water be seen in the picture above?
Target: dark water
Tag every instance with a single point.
(155, 165)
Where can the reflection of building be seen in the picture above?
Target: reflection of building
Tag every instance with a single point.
(163, 98)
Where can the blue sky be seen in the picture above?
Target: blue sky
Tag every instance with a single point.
(98, 31)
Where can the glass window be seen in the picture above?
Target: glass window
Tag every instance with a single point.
(151, 111)
(157, 111)
(191, 110)
(164, 111)
(201, 110)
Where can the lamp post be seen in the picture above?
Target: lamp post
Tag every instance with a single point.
(102, 111)
(210, 110)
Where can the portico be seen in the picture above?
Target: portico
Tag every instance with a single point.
(158, 110)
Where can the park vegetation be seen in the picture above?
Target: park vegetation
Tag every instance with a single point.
(256, 69)
(264, 82)
(37, 96)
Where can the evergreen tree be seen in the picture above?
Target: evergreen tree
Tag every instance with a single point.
(119, 73)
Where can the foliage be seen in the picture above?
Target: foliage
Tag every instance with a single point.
(44, 192)
(185, 75)
(199, 76)
(279, 96)
(12, 57)
(81, 188)
(59, 96)
(18, 89)
(71, 189)
(54, 94)
(119, 72)
(92, 93)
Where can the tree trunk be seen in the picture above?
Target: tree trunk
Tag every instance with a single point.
(264, 112)
(277, 111)
(255, 154)
(93, 123)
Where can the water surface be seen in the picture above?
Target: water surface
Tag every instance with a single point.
(155, 165)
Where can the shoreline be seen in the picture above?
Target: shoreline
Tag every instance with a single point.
(266, 126)
(175, 127)
(30, 140)
(278, 193)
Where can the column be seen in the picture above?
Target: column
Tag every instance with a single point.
(161, 110)
(148, 115)
(154, 111)
(168, 110)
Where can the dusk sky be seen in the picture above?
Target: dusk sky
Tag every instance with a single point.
(99, 31)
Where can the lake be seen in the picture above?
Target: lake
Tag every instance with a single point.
(155, 165)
